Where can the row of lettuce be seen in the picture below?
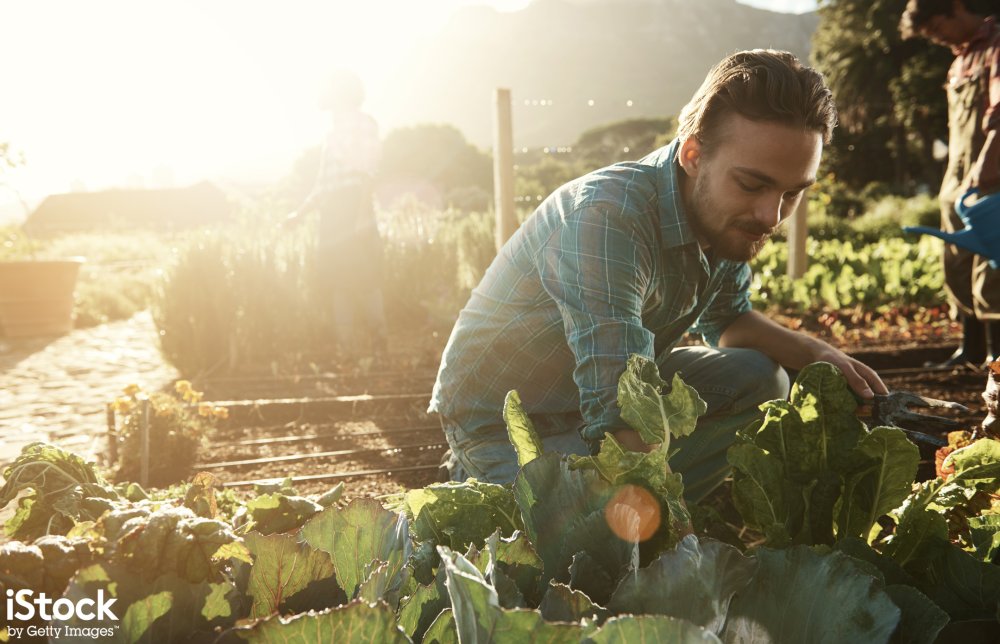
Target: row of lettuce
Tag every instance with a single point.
(578, 549)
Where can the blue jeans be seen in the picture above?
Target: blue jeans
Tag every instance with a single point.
(733, 382)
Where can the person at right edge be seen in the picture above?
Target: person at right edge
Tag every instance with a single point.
(973, 160)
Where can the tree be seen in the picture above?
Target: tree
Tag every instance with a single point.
(433, 161)
(888, 91)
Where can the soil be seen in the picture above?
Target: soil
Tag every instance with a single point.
(378, 439)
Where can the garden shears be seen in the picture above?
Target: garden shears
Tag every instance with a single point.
(893, 409)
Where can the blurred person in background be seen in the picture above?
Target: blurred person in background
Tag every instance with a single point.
(973, 89)
(630, 258)
(349, 249)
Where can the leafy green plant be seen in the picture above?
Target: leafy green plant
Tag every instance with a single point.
(177, 427)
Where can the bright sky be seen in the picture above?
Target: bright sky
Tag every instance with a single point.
(110, 93)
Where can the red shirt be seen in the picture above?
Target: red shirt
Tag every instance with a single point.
(981, 55)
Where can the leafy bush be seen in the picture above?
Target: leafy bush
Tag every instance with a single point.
(177, 429)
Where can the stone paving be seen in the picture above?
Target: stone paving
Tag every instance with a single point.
(56, 389)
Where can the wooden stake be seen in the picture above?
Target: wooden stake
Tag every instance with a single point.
(798, 233)
(503, 167)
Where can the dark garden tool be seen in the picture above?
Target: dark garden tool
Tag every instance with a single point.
(894, 409)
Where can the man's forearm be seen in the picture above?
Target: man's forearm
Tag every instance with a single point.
(795, 350)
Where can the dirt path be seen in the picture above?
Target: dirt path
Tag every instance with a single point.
(56, 389)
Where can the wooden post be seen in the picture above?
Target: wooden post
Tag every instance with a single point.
(798, 232)
(144, 446)
(112, 435)
(503, 167)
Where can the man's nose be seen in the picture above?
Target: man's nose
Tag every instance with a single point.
(767, 210)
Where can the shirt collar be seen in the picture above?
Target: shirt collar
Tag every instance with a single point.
(982, 34)
(674, 226)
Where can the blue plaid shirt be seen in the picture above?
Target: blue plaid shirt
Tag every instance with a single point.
(607, 266)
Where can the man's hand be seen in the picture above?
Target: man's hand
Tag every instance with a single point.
(862, 378)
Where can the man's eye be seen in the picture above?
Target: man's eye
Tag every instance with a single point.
(747, 188)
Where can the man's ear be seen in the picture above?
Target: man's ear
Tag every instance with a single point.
(690, 156)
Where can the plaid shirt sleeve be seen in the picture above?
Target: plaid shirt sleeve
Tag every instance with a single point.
(597, 267)
(732, 301)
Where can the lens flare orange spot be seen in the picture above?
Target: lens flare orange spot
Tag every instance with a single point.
(633, 514)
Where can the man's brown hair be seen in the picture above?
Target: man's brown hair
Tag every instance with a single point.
(760, 85)
(919, 12)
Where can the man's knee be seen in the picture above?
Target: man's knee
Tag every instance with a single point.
(763, 378)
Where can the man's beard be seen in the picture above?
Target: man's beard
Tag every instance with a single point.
(725, 242)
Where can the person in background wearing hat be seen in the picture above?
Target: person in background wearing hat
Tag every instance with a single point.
(349, 249)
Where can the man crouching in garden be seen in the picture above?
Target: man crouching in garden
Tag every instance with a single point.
(629, 258)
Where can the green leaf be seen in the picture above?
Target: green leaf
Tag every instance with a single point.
(164, 609)
(418, 611)
(479, 617)
(966, 588)
(276, 512)
(651, 629)
(140, 615)
(443, 629)
(563, 511)
(457, 514)
(60, 482)
(174, 539)
(563, 604)
(921, 620)
(881, 484)
(331, 496)
(282, 567)
(357, 536)
(985, 532)
(520, 430)
(695, 582)
(977, 464)
(656, 417)
(354, 622)
(759, 491)
(798, 595)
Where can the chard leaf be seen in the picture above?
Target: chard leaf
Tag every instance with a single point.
(563, 511)
(921, 620)
(282, 567)
(563, 604)
(521, 430)
(921, 524)
(353, 622)
(816, 430)
(651, 629)
(140, 615)
(164, 609)
(478, 614)
(457, 514)
(277, 512)
(358, 535)
(60, 482)
(419, 610)
(655, 416)
(881, 483)
(985, 532)
(798, 595)
(977, 465)
(443, 630)
(621, 467)
(966, 588)
(759, 491)
(694, 582)
(174, 539)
